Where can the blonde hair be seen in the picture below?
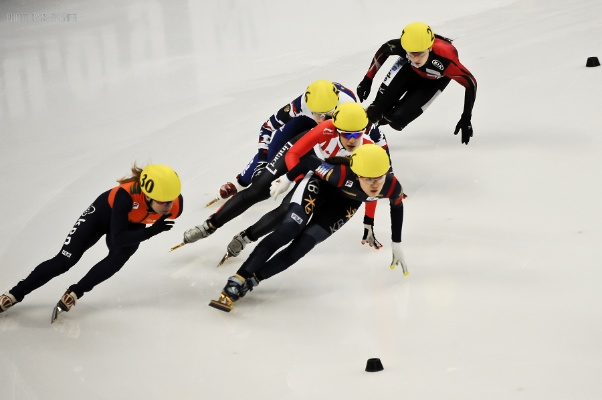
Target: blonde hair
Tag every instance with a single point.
(136, 172)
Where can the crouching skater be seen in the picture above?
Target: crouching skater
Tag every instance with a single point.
(329, 195)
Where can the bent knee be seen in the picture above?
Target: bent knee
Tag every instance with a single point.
(65, 260)
(316, 233)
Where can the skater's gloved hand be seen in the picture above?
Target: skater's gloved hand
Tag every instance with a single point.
(374, 115)
(363, 89)
(160, 225)
(279, 186)
(398, 258)
(369, 234)
(466, 127)
(259, 168)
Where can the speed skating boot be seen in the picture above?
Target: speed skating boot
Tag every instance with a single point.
(238, 243)
(67, 301)
(235, 288)
(7, 300)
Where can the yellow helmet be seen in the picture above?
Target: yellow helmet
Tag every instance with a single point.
(369, 161)
(321, 96)
(160, 182)
(350, 117)
(417, 37)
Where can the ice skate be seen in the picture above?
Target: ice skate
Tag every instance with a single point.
(199, 232)
(236, 245)
(224, 258)
(64, 305)
(224, 303)
(235, 288)
(7, 300)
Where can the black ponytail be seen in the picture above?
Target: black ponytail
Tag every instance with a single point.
(337, 160)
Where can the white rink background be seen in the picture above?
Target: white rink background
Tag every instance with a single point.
(502, 236)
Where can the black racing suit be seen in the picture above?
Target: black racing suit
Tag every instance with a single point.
(319, 206)
(122, 239)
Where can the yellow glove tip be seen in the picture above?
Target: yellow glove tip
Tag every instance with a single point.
(406, 273)
(392, 267)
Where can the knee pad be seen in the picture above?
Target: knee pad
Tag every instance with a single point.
(294, 221)
(318, 233)
(306, 241)
(310, 238)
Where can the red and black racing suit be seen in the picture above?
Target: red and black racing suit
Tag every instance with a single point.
(407, 91)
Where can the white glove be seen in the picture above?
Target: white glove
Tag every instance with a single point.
(279, 186)
(398, 258)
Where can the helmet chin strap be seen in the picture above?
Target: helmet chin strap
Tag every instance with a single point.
(148, 202)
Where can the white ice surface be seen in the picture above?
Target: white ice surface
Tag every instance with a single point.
(502, 236)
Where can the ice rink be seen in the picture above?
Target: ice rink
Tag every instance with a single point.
(502, 236)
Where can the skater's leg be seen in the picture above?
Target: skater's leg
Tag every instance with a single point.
(103, 270)
(326, 220)
(304, 200)
(269, 221)
(88, 229)
(391, 90)
(287, 230)
(266, 224)
(302, 245)
(243, 200)
(421, 93)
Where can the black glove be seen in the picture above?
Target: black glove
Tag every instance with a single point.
(160, 225)
(466, 127)
(259, 168)
(363, 89)
(374, 115)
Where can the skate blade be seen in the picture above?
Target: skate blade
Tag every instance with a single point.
(55, 313)
(223, 303)
(224, 258)
(177, 246)
(212, 202)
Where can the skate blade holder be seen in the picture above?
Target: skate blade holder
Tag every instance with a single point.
(55, 313)
(177, 246)
(224, 258)
(213, 201)
(224, 303)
